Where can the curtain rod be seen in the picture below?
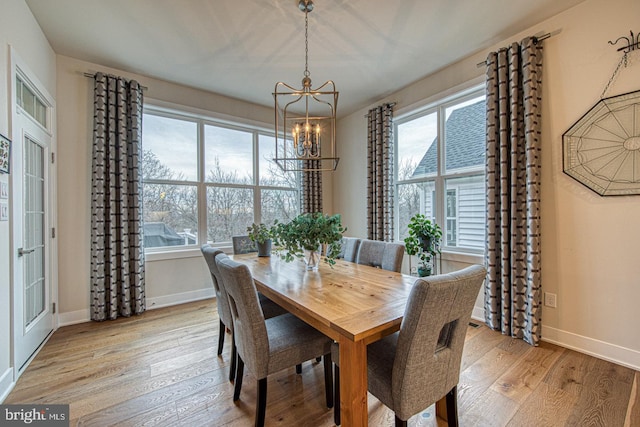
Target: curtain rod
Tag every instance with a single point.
(537, 39)
(391, 104)
(90, 75)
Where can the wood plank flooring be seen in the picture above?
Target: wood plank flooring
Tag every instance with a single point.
(161, 369)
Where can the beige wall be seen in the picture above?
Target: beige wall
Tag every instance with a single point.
(589, 246)
(20, 31)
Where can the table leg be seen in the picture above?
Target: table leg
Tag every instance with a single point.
(353, 383)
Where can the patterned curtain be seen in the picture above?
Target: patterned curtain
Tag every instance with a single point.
(117, 253)
(380, 173)
(513, 287)
(311, 194)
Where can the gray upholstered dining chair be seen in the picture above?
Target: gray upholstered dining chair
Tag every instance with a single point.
(412, 369)
(349, 249)
(267, 346)
(384, 255)
(269, 308)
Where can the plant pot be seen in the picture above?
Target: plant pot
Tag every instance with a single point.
(426, 243)
(424, 271)
(264, 249)
(311, 259)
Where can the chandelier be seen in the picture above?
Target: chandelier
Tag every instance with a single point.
(305, 119)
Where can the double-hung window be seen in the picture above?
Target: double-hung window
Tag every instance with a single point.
(441, 169)
(206, 180)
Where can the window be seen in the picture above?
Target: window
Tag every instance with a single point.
(206, 181)
(440, 169)
(30, 102)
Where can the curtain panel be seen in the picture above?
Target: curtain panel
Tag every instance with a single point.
(311, 194)
(117, 253)
(513, 285)
(380, 173)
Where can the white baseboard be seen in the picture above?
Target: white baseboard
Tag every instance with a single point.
(174, 299)
(73, 317)
(81, 316)
(6, 384)
(600, 349)
(478, 313)
(596, 348)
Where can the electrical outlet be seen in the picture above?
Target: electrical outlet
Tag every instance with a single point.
(550, 300)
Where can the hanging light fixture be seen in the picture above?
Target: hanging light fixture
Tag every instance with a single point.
(305, 119)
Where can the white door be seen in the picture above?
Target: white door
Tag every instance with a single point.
(30, 176)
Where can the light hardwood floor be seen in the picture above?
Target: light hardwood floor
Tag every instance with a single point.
(161, 368)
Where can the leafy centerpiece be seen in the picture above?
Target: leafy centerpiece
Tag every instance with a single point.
(424, 241)
(305, 235)
(262, 236)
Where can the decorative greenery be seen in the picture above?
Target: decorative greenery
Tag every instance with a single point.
(424, 240)
(260, 233)
(308, 232)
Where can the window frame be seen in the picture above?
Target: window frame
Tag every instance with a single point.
(438, 104)
(204, 118)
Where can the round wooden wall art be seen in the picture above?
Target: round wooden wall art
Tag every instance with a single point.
(602, 149)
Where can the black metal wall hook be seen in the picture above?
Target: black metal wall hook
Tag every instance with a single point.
(633, 42)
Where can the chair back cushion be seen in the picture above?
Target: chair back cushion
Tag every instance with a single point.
(349, 248)
(385, 255)
(209, 253)
(243, 245)
(249, 329)
(431, 339)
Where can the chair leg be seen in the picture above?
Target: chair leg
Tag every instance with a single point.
(261, 407)
(328, 380)
(400, 423)
(239, 374)
(336, 394)
(234, 358)
(299, 368)
(452, 407)
(221, 338)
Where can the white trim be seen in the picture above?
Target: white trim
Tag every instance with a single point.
(6, 384)
(593, 347)
(478, 314)
(442, 97)
(468, 258)
(181, 298)
(82, 316)
(602, 350)
(73, 317)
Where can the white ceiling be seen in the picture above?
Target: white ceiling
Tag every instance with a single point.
(241, 48)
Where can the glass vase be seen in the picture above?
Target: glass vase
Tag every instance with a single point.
(311, 259)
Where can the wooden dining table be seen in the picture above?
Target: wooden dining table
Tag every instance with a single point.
(351, 303)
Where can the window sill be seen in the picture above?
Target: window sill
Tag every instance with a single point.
(462, 257)
(172, 254)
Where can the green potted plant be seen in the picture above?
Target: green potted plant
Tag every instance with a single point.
(304, 236)
(424, 241)
(262, 236)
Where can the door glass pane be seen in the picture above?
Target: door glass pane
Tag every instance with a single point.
(169, 149)
(33, 241)
(229, 212)
(228, 155)
(170, 215)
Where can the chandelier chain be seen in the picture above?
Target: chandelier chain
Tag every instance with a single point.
(306, 43)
